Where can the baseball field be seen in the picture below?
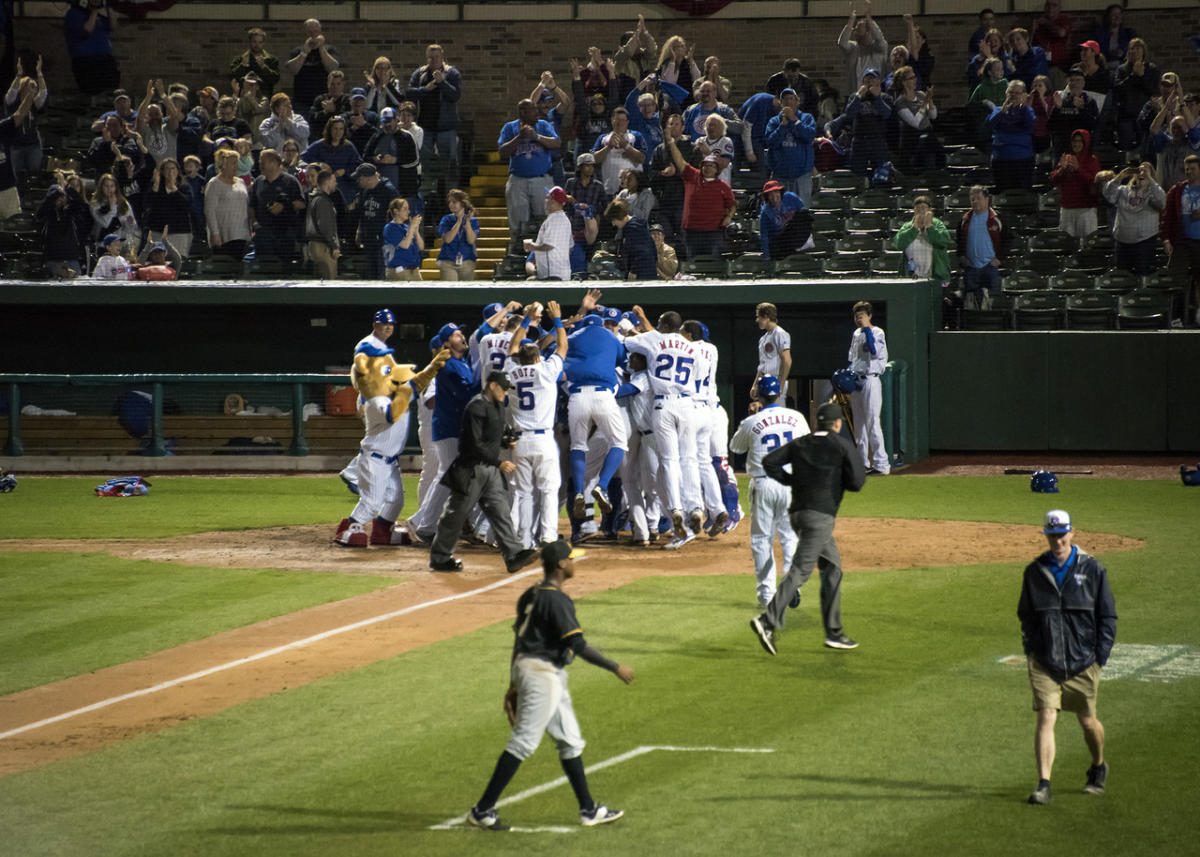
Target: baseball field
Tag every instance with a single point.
(199, 672)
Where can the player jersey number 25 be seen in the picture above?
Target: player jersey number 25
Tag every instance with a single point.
(669, 368)
(772, 441)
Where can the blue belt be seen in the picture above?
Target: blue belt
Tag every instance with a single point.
(385, 459)
(532, 431)
(673, 396)
(586, 387)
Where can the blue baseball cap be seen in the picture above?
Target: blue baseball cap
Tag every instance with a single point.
(1058, 522)
(157, 245)
(446, 331)
(703, 330)
(871, 72)
(110, 238)
(435, 343)
(491, 309)
(611, 314)
(629, 316)
(385, 316)
(589, 320)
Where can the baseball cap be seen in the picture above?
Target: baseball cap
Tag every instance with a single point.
(828, 413)
(871, 72)
(657, 227)
(211, 91)
(772, 185)
(589, 320)
(703, 330)
(557, 551)
(157, 245)
(557, 194)
(710, 159)
(365, 170)
(251, 77)
(789, 91)
(491, 309)
(358, 92)
(501, 378)
(585, 158)
(1075, 71)
(385, 316)
(546, 95)
(435, 343)
(387, 114)
(611, 313)
(1094, 46)
(445, 332)
(1057, 523)
(110, 238)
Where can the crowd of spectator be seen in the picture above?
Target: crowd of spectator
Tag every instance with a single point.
(657, 129)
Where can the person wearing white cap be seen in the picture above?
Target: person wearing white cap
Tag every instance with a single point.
(1068, 625)
(552, 247)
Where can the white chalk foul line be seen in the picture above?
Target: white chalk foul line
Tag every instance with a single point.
(258, 656)
(459, 820)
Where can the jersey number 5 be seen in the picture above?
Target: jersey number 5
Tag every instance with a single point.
(525, 395)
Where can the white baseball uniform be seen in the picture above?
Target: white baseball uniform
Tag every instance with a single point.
(771, 344)
(429, 459)
(674, 363)
(372, 344)
(639, 477)
(491, 352)
(866, 403)
(707, 408)
(532, 403)
(380, 488)
(756, 436)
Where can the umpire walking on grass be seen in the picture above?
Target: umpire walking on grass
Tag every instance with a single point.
(477, 476)
(823, 466)
(548, 638)
(1068, 625)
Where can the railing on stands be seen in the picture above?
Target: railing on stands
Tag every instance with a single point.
(154, 443)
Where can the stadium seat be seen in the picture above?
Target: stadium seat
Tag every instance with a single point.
(828, 200)
(705, 266)
(1019, 282)
(875, 201)
(846, 265)
(1042, 261)
(1053, 239)
(1101, 239)
(859, 242)
(1092, 310)
(1118, 281)
(843, 181)
(749, 266)
(873, 224)
(1042, 310)
(997, 316)
(221, 267)
(1016, 201)
(1144, 309)
(599, 268)
(799, 264)
(959, 199)
(511, 267)
(827, 223)
(965, 159)
(1069, 282)
(1097, 260)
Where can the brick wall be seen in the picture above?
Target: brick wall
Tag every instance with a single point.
(501, 61)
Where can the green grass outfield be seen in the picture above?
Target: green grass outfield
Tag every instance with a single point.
(919, 742)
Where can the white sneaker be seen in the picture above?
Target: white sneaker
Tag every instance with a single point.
(676, 544)
(599, 815)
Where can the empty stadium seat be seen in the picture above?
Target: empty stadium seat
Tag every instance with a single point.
(1092, 310)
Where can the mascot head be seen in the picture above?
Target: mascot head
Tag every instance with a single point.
(379, 375)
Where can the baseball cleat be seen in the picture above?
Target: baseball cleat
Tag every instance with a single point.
(488, 820)
(841, 641)
(381, 533)
(601, 498)
(718, 525)
(695, 521)
(766, 637)
(522, 559)
(579, 507)
(451, 564)
(677, 524)
(1096, 777)
(1041, 796)
(599, 815)
(351, 485)
(676, 544)
(354, 536)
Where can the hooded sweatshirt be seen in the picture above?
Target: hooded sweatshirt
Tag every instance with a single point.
(1077, 185)
(1137, 210)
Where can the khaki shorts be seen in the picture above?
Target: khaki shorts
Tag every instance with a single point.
(1077, 694)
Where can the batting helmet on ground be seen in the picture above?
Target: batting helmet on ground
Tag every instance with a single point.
(1043, 482)
(768, 386)
(8, 483)
(1188, 475)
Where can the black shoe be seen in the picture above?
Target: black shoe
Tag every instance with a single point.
(452, 564)
(766, 637)
(487, 820)
(795, 602)
(1096, 776)
(1041, 796)
(522, 559)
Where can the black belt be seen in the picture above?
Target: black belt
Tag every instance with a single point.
(672, 396)
(646, 432)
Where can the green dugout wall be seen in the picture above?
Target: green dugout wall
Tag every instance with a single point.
(1058, 391)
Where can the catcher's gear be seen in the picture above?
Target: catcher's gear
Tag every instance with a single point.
(768, 385)
(845, 381)
(8, 482)
(385, 316)
(124, 486)
(1043, 482)
(1189, 476)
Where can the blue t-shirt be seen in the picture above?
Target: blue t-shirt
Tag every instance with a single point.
(979, 244)
(343, 157)
(460, 247)
(530, 159)
(1190, 203)
(593, 355)
(758, 110)
(1060, 571)
(395, 256)
(771, 220)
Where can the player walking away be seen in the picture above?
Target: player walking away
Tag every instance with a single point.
(823, 466)
(373, 345)
(475, 477)
(868, 359)
(757, 435)
(1068, 625)
(537, 476)
(548, 638)
(774, 351)
(674, 363)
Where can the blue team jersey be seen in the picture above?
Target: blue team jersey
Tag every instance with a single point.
(531, 158)
(456, 384)
(593, 355)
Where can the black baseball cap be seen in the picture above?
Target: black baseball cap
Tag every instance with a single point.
(500, 378)
(828, 413)
(556, 552)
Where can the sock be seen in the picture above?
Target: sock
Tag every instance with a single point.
(608, 523)
(578, 779)
(1045, 783)
(385, 521)
(729, 489)
(578, 469)
(506, 769)
(612, 461)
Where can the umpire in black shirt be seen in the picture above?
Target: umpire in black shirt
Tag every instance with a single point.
(823, 466)
(476, 477)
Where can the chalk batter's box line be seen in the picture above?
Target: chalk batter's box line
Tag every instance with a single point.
(258, 656)
(459, 821)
